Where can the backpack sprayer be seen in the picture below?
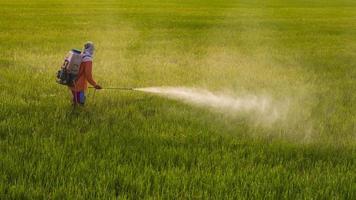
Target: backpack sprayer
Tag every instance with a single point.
(70, 68)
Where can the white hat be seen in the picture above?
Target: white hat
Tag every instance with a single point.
(88, 51)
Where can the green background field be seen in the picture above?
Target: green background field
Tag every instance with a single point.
(136, 145)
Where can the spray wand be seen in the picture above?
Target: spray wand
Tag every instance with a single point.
(112, 88)
(115, 88)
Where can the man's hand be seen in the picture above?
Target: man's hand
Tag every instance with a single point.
(98, 87)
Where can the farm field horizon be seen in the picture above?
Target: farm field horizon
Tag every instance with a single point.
(232, 100)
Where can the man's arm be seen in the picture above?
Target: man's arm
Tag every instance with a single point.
(88, 74)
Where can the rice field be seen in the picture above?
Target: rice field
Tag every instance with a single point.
(298, 55)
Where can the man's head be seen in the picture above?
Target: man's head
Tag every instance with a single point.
(89, 48)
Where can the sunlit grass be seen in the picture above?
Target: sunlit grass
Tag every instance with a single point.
(136, 145)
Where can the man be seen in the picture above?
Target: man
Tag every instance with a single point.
(84, 75)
